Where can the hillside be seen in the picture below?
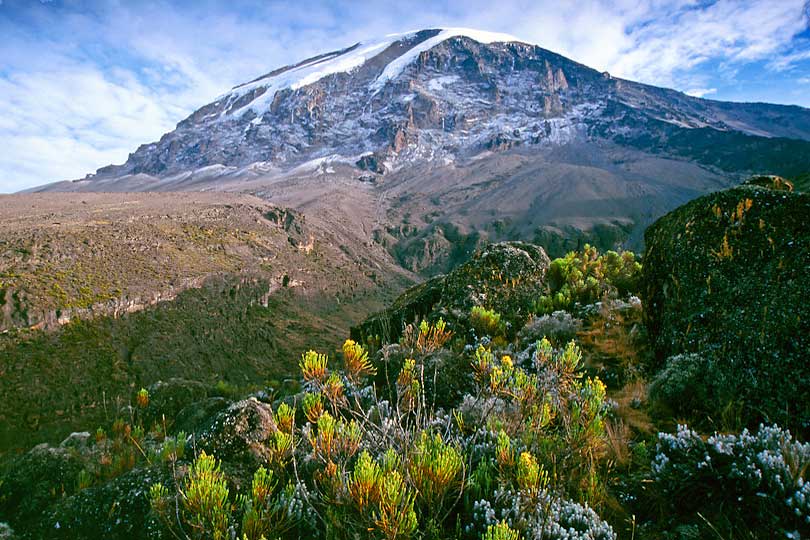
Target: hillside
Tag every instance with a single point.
(99, 292)
(515, 397)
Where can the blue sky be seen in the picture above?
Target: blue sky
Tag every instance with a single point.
(83, 83)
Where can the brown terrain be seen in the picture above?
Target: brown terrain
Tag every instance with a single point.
(101, 294)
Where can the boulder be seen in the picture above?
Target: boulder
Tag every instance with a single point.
(506, 277)
(32, 481)
(170, 397)
(238, 433)
(727, 276)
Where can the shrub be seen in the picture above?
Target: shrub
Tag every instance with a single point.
(205, 499)
(486, 322)
(501, 531)
(559, 327)
(355, 358)
(687, 386)
(746, 482)
(586, 277)
(527, 438)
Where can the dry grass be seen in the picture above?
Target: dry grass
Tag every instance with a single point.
(612, 340)
(618, 437)
(631, 400)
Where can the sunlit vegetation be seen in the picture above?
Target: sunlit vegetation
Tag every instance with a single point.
(582, 278)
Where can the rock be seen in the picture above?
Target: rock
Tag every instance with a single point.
(505, 277)
(727, 276)
(238, 433)
(79, 441)
(31, 481)
(197, 415)
(168, 398)
(115, 510)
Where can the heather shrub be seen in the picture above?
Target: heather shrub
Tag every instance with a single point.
(689, 386)
(559, 327)
(747, 485)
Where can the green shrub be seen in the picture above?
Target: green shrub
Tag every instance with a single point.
(486, 322)
(586, 277)
(205, 499)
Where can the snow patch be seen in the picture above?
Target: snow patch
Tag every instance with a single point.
(308, 73)
(439, 83)
(395, 68)
(312, 71)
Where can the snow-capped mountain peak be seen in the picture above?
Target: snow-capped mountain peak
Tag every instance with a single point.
(435, 96)
(411, 45)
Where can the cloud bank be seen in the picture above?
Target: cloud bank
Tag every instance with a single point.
(83, 83)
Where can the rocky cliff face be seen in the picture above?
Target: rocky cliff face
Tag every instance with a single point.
(435, 94)
(551, 148)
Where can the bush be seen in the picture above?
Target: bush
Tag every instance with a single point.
(689, 386)
(353, 465)
(586, 277)
(486, 322)
(559, 327)
(727, 483)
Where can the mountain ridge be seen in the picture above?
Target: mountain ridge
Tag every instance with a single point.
(364, 124)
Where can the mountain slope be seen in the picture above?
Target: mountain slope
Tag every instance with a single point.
(364, 119)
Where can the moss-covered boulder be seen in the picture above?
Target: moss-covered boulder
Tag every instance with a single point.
(31, 482)
(238, 433)
(168, 398)
(506, 277)
(727, 276)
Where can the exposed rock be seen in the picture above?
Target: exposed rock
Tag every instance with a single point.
(237, 434)
(726, 276)
(506, 277)
(198, 415)
(168, 398)
(402, 119)
(115, 510)
(371, 163)
(78, 441)
(32, 480)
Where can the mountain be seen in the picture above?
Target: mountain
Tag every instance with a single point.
(434, 141)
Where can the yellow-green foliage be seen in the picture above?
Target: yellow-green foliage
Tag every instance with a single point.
(262, 516)
(435, 469)
(355, 358)
(313, 406)
(396, 517)
(586, 277)
(205, 499)
(364, 485)
(486, 322)
(530, 475)
(427, 338)
(501, 531)
(565, 428)
(313, 366)
(360, 468)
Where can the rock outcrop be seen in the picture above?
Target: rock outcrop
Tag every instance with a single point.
(505, 277)
(727, 277)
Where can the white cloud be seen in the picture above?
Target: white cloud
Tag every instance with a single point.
(83, 86)
(701, 92)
